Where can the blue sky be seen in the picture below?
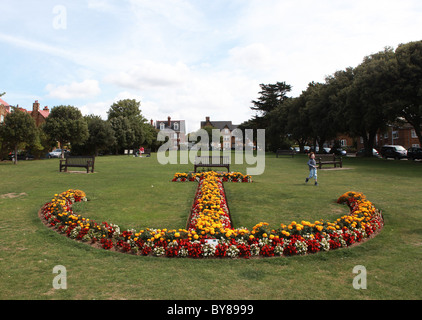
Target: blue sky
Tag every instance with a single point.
(187, 59)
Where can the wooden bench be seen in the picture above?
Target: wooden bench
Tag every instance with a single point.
(212, 161)
(281, 152)
(86, 162)
(323, 159)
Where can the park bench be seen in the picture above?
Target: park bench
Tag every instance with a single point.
(212, 161)
(86, 162)
(281, 152)
(323, 159)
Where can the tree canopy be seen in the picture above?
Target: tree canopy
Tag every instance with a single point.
(359, 102)
(18, 129)
(65, 124)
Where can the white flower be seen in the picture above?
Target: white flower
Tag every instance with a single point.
(158, 251)
(232, 251)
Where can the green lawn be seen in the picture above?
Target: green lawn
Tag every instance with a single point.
(137, 193)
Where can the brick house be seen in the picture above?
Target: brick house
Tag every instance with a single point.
(178, 136)
(403, 135)
(38, 115)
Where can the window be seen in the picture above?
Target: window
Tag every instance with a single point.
(413, 133)
(395, 134)
(162, 126)
(176, 126)
(415, 145)
(1, 118)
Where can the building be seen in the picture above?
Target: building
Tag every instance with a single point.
(38, 115)
(176, 130)
(403, 135)
(4, 109)
(229, 141)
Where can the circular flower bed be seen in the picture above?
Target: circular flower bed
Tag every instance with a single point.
(210, 233)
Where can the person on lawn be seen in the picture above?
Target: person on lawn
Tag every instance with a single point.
(312, 169)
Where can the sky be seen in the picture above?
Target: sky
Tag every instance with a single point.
(187, 59)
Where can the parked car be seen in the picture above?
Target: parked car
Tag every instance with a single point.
(338, 152)
(57, 153)
(393, 151)
(414, 153)
(22, 155)
(361, 153)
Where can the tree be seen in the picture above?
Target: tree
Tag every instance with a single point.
(18, 130)
(101, 137)
(408, 102)
(298, 123)
(123, 133)
(128, 123)
(370, 97)
(65, 124)
(322, 113)
(272, 96)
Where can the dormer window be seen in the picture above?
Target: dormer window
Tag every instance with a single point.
(176, 126)
(162, 126)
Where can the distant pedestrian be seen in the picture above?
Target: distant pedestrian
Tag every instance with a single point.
(312, 169)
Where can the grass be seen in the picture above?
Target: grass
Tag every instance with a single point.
(137, 193)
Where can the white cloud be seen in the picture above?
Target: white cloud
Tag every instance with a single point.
(255, 55)
(149, 73)
(85, 89)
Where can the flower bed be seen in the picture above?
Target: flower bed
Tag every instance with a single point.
(210, 232)
(225, 176)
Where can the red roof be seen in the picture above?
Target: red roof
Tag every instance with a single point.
(45, 113)
(4, 102)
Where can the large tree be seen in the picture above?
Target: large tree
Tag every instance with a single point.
(267, 106)
(101, 137)
(65, 124)
(127, 121)
(409, 84)
(298, 121)
(18, 130)
(369, 99)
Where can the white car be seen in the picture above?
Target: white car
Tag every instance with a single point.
(55, 153)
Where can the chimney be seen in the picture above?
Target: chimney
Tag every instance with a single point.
(152, 122)
(207, 119)
(36, 106)
(169, 122)
(46, 108)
